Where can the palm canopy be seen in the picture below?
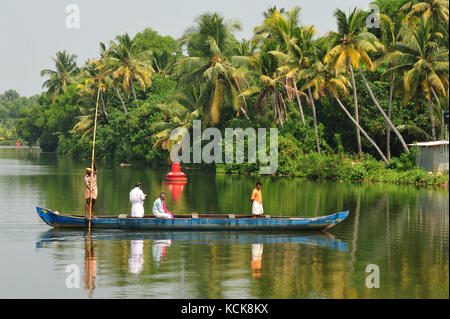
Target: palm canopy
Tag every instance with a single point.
(280, 27)
(64, 74)
(352, 42)
(209, 35)
(422, 63)
(324, 80)
(211, 69)
(272, 82)
(94, 77)
(434, 10)
(127, 64)
(175, 116)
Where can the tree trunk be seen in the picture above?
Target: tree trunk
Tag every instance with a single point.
(383, 113)
(134, 92)
(430, 110)
(388, 128)
(313, 106)
(438, 103)
(355, 102)
(299, 102)
(103, 105)
(121, 100)
(362, 131)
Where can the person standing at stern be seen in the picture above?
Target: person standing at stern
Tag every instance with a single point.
(90, 188)
(137, 198)
(256, 200)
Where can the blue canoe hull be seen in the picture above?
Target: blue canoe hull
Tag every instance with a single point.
(202, 222)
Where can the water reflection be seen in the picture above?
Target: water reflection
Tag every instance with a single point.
(90, 265)
(165, 239)
(257, 252)
(402, 229)
(159, 250)
(176, 188)
(136, 260)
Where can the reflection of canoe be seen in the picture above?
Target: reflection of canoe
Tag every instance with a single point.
(194, 222)
(314, 239)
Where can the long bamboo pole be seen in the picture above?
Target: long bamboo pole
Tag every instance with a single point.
(92, 161)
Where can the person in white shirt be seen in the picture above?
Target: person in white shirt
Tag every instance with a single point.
(159, 207)
(137, 198)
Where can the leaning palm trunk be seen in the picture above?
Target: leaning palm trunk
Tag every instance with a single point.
(355, 102)
(134, 92)
(362, 131)
(388, 128)
(438, 103)
(121, 100)
(103, 106)
(299, 102)
(430, 110)
(383, 113)
(313, 106)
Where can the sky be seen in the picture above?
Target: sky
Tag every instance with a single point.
(31, 32)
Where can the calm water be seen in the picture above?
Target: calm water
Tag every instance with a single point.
(401, 229)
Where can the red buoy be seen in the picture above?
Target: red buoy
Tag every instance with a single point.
(176, 174)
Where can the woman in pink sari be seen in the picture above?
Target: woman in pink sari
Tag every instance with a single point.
(165, 209)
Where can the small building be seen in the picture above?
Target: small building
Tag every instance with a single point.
(433, 156)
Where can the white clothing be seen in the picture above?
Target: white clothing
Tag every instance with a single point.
(136, 260)
(257, 251)
(137, 198)
(257, 208)
(158, 210)
(159, 249)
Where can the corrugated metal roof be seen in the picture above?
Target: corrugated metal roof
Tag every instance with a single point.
(433, 143)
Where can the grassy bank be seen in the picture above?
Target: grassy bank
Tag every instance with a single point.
(342, 167)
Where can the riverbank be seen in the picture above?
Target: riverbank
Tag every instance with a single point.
(343, 167)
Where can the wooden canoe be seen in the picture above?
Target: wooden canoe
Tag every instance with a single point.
(194, 222)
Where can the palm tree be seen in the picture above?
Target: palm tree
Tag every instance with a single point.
(127, 65)
(162, 62)
(423, 64)
(64, 75)
(434, 10)
(272, 83)
(294, 41)
(210, 39)
(175, 116)
(105, 54)
(391, 35)
(95, 79)
(350, 46)
(299, 52)
(325, 80)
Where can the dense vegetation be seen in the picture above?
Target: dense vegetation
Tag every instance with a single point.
(346, 103)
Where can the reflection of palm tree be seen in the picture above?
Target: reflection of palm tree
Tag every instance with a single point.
(355, 232)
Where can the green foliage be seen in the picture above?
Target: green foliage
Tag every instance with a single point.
(149, 87)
